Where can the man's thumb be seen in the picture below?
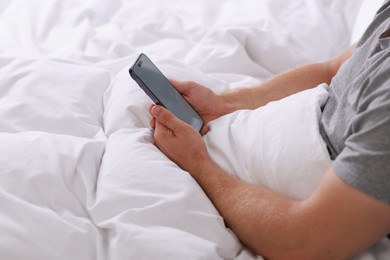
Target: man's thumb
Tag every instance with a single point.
(166, 118)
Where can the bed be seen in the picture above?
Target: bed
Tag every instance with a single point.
(80, 177)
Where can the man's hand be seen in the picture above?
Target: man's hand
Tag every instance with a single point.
(208, 105)
(178, 140)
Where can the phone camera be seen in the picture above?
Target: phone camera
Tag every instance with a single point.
(139, 64)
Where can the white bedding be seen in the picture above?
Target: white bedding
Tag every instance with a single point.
(80, 177)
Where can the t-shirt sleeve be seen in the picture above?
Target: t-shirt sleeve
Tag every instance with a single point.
(364, 163)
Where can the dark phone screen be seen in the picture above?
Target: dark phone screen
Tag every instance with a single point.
(156, 85)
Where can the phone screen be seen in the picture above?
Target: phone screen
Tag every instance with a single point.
(161, 91)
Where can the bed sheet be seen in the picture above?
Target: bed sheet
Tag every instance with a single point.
(80, 177)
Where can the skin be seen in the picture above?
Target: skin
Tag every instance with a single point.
(336, 222)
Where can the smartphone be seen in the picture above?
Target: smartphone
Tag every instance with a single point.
(162, 92)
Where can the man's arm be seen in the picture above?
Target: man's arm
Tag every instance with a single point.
(335, 222)
(211, 106)
(286, 83)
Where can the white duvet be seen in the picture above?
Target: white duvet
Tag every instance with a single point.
(80, 177)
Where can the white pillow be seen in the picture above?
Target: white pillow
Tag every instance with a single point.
(278, 145)
(364, 17)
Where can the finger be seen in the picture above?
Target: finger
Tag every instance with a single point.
(161, 130)
(152, 122)
(166, 118)
(181, 86)
(174, 82)
(161, 133)
(150, 108)
(205, 130)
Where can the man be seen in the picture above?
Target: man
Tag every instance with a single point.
(350, 210)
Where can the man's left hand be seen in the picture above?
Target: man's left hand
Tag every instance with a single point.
(178, 140)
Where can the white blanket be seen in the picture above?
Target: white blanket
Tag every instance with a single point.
(80, 177)
(278, 145)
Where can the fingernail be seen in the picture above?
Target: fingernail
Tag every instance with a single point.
(156, 110)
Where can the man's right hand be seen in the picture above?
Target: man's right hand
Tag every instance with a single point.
(208, 105)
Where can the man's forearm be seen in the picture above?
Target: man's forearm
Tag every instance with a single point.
(262, 219)
(279, 86)
(285, 84)
(326, 225)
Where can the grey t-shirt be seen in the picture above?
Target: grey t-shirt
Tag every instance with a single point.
(356, 118)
